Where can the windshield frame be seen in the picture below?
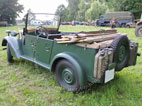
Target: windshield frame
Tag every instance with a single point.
(27, 18)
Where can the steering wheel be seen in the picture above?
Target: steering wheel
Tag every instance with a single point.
(41, 31)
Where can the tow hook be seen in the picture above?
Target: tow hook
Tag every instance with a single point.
(138, 54)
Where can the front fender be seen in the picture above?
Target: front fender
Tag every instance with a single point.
(139, 23)
(75, 63)
(14, 45)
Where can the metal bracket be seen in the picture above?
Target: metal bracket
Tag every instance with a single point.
(3, 49)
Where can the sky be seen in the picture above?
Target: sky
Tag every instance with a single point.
(41, 6)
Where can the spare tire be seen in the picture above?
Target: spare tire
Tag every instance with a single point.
(138, 30)
(121, 48)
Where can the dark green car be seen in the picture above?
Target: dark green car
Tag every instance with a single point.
(77, 59)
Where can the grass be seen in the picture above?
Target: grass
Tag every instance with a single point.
(25, 84)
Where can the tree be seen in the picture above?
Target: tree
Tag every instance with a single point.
(133, 6)
(61, 10)
(9, 10)
(72, 9)
(97, 8)
(83, 7)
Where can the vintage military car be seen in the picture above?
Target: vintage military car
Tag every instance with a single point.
(77, 58)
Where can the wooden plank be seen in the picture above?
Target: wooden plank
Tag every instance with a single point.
(93, 35)
(63, 39)
(73, 40)
(103, 31)
(96, 45)
(100, 38)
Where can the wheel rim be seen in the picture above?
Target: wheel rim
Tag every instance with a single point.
(67, 76)
(140, 31)
(122, 53)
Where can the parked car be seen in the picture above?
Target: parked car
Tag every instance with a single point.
(76, 58)
(64, 23)
(35, 23)
(70, 23)
(75, 22)
(83, 23)
(122, 18)
(132, 24)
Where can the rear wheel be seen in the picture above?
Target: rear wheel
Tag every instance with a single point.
(138, 30)
(121, 49)
(66, 76)
(9, 55)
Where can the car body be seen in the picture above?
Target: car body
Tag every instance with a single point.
(132, 24)
(77, 61)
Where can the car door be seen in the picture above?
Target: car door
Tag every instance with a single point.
(43, 50)
(29, 46)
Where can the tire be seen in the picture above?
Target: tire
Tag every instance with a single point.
(123, 25)
(66, 76)
(138, 31)
(9, 55)
(121, 48)
(127, 26)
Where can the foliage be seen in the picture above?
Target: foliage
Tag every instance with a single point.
(97, 8)
(61, 10)
(82, 10)
(9, 10)
(83, 7)
(72, 9)
(133, 6)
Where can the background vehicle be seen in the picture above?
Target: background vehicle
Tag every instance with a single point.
(122, 18)
(138, 30)
(75, 22)
(3, 23)
(77, 58)
(64, 23)
(36, 22)
(132, 24)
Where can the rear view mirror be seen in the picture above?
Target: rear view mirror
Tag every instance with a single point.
(8, 31)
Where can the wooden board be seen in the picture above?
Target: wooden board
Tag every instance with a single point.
(94, 39)
(96, 45)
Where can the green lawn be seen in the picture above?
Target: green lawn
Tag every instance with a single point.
(26, 84)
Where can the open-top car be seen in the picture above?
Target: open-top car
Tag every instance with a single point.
(77, 58)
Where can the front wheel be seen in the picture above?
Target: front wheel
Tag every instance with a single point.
(66, 76)
(9, 55)
(127, 26)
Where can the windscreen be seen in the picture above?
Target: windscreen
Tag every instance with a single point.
(41, 19)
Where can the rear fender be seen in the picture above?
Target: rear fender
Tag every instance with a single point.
(14, 45)
(76, 64)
